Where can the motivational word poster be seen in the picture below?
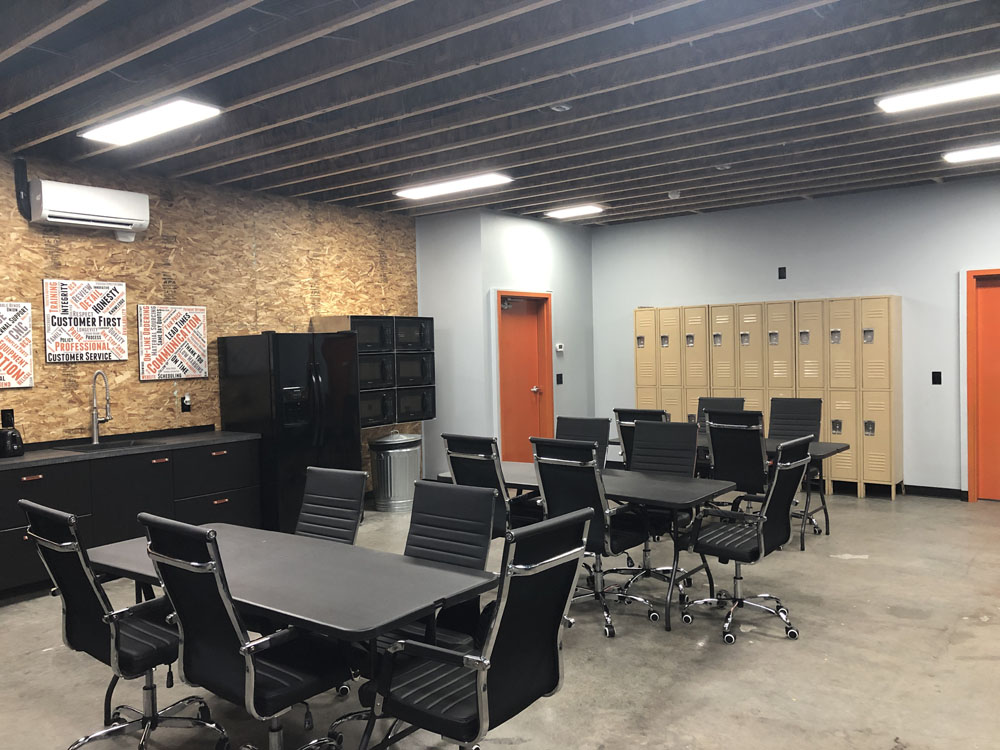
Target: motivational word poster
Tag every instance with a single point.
(84, 321)
(16, 364)
(173, 342)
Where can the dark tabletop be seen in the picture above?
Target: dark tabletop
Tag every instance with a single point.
(352, 593)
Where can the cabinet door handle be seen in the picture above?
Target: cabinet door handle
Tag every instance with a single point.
(32, 477)
(159, 460)
(219, 453)
(220, 501)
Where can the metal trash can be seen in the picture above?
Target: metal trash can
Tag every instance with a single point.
(396, 466)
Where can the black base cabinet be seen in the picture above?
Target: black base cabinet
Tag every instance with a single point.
(61, 486)
(240, 507)
(124, 486)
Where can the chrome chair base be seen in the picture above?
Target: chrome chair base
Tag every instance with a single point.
(597, 589)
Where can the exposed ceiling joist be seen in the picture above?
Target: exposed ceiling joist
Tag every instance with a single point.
(27, 22)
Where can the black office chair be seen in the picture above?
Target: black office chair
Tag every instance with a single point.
(332, 504)
(591, 429)
(748, 537)
(715, 403)
(132, 641)
(791, 418)
(737, 452)
(569, 480)
(267, 675)
(460, 695)
(475, 462)
(625, 420)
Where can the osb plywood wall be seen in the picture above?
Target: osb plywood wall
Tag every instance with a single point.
(256, 262)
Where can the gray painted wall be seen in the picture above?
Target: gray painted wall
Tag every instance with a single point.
(912, 242)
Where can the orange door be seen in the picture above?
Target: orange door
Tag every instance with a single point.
(524, 334)
(984, 387)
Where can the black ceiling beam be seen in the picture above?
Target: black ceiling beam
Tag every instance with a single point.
(163, 23)
(209, 57)
(27, 22)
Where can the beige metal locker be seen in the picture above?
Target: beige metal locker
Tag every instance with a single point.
(670, 346)
(753, 400)
(750, 349)
(645, 348)
(881, 343)
(810, 341)
(695, 358)
(724, 392)
(722, 352)
(881, 439)
(842, 315)
(645, 398)
(780, 345)
(691, 396)
(672, 402)
(843, 428)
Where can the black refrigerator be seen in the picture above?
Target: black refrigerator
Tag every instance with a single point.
(300, 392)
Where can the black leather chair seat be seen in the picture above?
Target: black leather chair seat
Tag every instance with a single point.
(440, 698)
(628, 530)
(145, 638)
(296, 671)
(729, 541)
(525, 510)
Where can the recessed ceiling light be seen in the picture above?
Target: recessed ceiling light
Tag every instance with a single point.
(161, 119)
(980, 153)
(573, 212)
(475, 182)
(971, 88)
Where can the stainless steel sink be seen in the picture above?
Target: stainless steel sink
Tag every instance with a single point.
(110, 445)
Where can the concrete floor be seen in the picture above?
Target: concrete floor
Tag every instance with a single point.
(899, 617)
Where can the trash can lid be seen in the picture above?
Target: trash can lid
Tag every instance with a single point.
(394, 439)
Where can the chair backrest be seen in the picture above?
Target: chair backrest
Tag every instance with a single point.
(84, 603)
(669, 447)
(188, 562)
(715, 403)
(625, 420)
(737, 450)
(790, 462)
(475, 462)
(451, 524)
(591, 429)
(794, 417)
(569, 480)
(524, 640)
(332, 504)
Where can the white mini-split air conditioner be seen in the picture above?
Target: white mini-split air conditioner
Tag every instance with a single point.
(63, 204)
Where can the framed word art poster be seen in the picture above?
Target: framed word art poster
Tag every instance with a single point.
(84, 321)
(16, 363)
(173, 342)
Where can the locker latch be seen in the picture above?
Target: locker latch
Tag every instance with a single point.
(716, 339)
(868, 335)
(692, 418)
(664, 341)
(772, 338)
(869, 427)
(837, 426)
(834, 335)
(640, 342)
(689, 339)
(744, 338)
(804, 338)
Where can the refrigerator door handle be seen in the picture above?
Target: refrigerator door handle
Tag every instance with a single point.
(321, 428)
(314, 400)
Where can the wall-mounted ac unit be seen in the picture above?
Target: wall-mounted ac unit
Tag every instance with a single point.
(63, 204)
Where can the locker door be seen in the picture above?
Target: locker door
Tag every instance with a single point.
(645, 349)
(753, 400)
(672, 402)
(670, 345)
(750, 333)
(780, 346)
(824, 418)
(691, 396)
(875, 350)
(843, 428)
(810, 342)
(696, 347)
(645, 398)
(723, 348)
(876, 436)
(724, 392)
(843, 359)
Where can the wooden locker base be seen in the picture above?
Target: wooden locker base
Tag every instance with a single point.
(892, 488)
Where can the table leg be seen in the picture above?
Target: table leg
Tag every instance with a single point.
(822, 499)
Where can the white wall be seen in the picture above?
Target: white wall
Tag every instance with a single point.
(461, 258)
(912, 242)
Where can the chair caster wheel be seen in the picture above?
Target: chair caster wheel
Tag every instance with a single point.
(629, 562)
(792, 634)
(205, 714)
(729, 638)
(653, 615)
(609, 631)
(343, 691)
(782, 612)
(337, 738)
(817, 530)
(686, 618)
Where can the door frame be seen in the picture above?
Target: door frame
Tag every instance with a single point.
(972, 373)
(495, 296)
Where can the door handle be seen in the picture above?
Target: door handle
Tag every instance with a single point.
(535, 389)
(32, 477)
(160, 460)
(220, 501)
(219, 453)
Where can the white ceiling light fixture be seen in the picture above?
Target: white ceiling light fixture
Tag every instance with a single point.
(948, 93)
(573, 212)
(151, 122)
(475, 182)
(979, 153)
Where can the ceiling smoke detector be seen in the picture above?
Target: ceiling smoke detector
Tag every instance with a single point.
(562, 107)
(673, 194)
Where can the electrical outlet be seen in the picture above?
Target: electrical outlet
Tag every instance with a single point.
(7, 418)
(558, 378)
(935, 377)
(186, 402)
(782, 272)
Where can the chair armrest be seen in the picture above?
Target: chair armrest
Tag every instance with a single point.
(277, 638)
(425, 651)
(137, 609)
(732, 515)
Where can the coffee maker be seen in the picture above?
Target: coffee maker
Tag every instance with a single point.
(10, 439)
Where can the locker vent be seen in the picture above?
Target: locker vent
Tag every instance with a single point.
(843, 369)
(696, 368)
(751, 369)
(723, 370)
(721, 318)
(878, 369)
(646, 369)
(879, 406)
(670, 369)
(779, 369)
(750, 318)
(841, 405)
(810, 368)
(695, 319)
(876, 463)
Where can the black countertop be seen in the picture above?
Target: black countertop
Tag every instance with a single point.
(155, 442)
